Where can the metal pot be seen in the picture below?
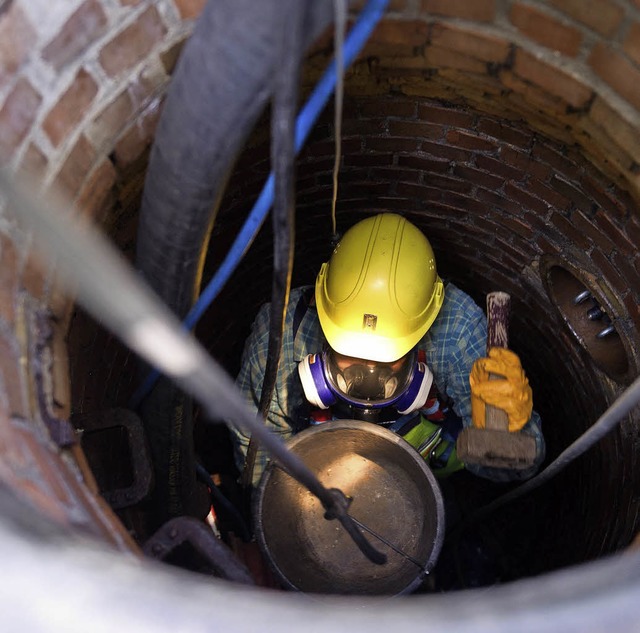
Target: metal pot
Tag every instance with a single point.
(394, 494)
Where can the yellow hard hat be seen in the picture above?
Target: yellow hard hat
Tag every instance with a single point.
(380, 292)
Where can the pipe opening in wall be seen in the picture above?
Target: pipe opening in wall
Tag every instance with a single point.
(582, 300)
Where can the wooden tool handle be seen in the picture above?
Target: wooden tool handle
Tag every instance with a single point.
(498, 313)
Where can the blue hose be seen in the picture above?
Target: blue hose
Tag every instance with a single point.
(358, 36)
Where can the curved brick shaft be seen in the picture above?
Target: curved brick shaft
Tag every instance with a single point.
(508, 130)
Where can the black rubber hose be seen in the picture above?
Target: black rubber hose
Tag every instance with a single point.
(283, 215)
(221, 503)
(221, 84)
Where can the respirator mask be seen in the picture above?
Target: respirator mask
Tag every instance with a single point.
(364, 386)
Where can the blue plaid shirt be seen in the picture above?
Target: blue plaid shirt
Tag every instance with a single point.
(454, 341)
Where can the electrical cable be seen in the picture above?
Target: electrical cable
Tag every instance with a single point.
(358, 36)
(218, 499)
(340, 7)
(283, 215)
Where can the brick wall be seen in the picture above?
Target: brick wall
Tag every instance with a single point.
(507, 129)
(81, 84)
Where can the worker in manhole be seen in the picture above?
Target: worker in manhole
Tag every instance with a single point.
(381, 338)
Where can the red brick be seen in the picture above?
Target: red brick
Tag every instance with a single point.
(570, 232)
(415, 129)
(553, 157)
(34, 162)
(112, 119)
(478, 177)
(546, 29)
(549, 195)
(445, 151)
(504, 132)
(83, 28)
(138, 138)
(573, 193)
(487, 48)
(621, 131)
(361, 160)
(460, 201)
(600, 197)
(12, 378)
(632, 230)
(624, 264)
(478, 10)
(391, 144)
(443, 115)
(518, 227)
(609, 272)
(16, 37)
(76, 167)
(170, 56)
(95, 197)
(446, 183)
(467, 140)
(602, 16)
(615, 233)
(421, 163)
(525, 199)
(16, 117)
(438, 57)
(363, 127)
(585, 226)
(394, 174)
(190, 9)
(421, 192)
(524, 162)
(530, 100)
(388, 108)
(8, 282)
(551, 79)
(408, 33)
(132, 44)
(394, 5)
(617, 71)
(631, 45)
(496, 200)
(71, 107)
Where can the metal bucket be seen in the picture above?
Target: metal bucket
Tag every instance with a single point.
(394, 494)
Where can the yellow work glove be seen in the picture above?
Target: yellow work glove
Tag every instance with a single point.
(511, 394)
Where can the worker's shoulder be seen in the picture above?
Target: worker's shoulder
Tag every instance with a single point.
(458, 310)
